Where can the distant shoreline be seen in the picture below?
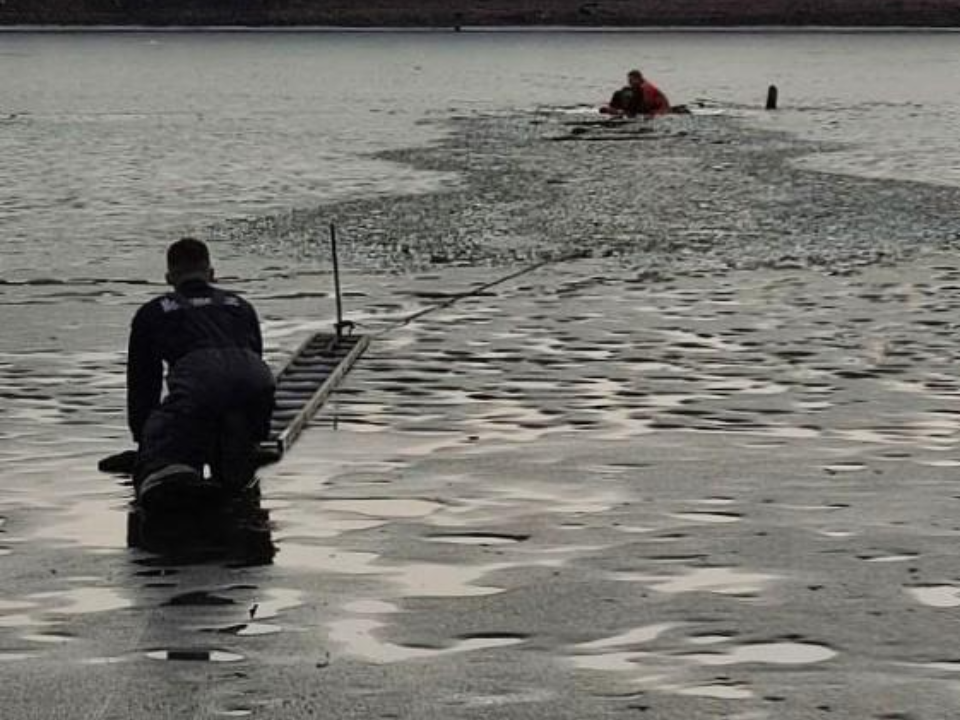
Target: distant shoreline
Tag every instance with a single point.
(480, 29)
(584, 15)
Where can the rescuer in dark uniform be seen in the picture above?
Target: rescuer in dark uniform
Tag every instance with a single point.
(219, 390)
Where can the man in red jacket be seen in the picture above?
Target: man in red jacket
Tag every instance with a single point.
(639, 97)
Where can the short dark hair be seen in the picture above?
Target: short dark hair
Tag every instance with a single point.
(634, 73)
(188, 255)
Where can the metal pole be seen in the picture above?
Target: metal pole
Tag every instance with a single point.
(336, 278)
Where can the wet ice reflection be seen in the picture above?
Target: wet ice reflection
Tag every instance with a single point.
(724, 581)
(779, 653)
(359, 638)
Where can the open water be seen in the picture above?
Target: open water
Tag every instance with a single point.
(111, 141)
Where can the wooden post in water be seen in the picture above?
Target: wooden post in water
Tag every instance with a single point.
(772, 95)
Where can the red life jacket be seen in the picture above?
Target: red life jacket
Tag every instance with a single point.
(654, 101)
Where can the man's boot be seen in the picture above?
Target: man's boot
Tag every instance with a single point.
(175, 489)
(233, 465)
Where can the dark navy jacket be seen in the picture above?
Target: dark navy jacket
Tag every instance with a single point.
(196, 316)
(649, 101)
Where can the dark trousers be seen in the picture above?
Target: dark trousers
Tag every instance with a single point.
(217, 409)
